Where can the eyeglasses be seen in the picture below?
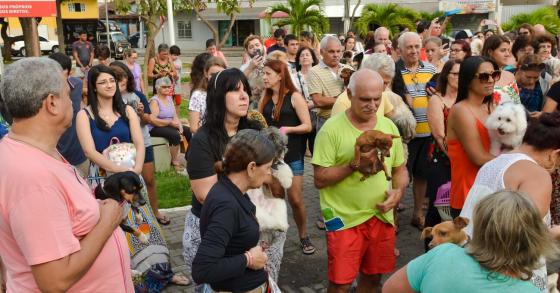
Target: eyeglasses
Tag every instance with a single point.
(106, 82)
(485, 76)
(165, 87)
(533, 66)
(456, 50)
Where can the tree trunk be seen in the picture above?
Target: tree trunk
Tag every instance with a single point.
(60, 27)
(30, 36)
(8, 41)
(215, 32)
(354, 13)
(232, 19)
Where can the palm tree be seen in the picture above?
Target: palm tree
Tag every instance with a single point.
(547, 16)
(391, 16)
(302, 14)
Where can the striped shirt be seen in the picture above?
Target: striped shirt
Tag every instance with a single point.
(322, 80)
(415, 85)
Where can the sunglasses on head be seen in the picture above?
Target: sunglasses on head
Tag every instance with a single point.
(485, 76)
(533, 66)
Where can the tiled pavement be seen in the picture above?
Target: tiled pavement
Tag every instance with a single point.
(300, 273)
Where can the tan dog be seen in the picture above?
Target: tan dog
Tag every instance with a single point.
(371, 148)
(447, 232)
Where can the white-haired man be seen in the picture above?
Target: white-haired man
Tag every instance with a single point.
(324, 82)
(411, 77)
(358, 214)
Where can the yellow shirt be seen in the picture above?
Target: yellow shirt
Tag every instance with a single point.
(343, 103)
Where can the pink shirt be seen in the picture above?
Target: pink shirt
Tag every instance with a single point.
(45, 209)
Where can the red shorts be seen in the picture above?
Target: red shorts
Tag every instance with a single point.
(368, 248)
(177, 98)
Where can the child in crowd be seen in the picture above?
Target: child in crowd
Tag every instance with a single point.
(214, 51)
(175, 52)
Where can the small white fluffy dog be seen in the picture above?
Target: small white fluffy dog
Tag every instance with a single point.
(506, 125)
(272, 213)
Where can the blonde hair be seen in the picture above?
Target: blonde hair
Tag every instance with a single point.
(249, 39)
(277, 55)
(509, 235)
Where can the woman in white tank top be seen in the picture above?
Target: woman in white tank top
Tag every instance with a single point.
(527, 170)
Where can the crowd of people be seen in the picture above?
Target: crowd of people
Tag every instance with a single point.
(430, 93)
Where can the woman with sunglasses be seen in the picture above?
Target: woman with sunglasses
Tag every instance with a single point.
(498, 48)
(531, 86)
(468, 141)
(165, 122)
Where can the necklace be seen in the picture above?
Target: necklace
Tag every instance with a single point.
(55, 155)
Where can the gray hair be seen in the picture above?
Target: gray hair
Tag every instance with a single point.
(379, 30)
(27, 82)
(327, 39)
(407, 35)
(162, 47)
(379, 62)
(164, 81)
(370, 74)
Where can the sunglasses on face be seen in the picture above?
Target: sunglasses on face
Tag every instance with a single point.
(533, 66)
(485, 76)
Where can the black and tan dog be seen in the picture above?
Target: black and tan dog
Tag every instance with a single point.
(125, 187)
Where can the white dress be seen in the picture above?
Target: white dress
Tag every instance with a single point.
(490, 179)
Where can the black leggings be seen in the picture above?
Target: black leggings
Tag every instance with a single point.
(171, 134)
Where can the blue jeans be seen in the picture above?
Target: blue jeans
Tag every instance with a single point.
(297, 167)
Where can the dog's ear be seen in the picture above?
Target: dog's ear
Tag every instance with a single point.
(460, 222)
(427, 232)
(521, 118)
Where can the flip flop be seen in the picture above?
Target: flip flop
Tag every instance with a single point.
(180, 280)
(164, 220)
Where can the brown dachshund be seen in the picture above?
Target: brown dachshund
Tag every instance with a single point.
(370, 150)
(447, 232)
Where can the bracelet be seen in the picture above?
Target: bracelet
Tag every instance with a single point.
(249, 258)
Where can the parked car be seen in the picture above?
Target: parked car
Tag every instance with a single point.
(117, 43)
(135, 38)
(18, 47)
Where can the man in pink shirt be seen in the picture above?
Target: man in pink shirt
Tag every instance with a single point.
(54, 235)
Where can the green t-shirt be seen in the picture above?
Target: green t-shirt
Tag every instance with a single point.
(448, 268)
(351, 201)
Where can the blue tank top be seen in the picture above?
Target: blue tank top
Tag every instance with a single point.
(102, 138)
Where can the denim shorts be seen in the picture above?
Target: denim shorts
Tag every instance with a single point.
(297, 167)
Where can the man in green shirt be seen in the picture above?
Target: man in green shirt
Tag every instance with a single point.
(358, 214)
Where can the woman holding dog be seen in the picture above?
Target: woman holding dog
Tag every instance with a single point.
(226, 114)
(285, 108)
(229, 257)
(106, 107)
(468, 141)
(538, 155)
(439, 107)
(486, 265)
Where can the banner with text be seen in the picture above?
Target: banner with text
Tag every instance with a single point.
(27, 8)
(467, 6)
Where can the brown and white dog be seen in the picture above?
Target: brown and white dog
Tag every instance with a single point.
(447, 232)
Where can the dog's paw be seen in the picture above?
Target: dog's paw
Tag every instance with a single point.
(143, 238)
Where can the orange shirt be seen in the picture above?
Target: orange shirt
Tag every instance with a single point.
(463, 171)
(45, 210)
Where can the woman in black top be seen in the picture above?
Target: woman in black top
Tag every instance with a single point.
(284, 107)
(226, 113)
(229, 257)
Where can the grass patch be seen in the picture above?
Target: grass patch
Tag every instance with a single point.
(173, 190)
(184, 109)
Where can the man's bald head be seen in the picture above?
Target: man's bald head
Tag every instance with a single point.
(364, 91)
(381, 35)
(539, 30)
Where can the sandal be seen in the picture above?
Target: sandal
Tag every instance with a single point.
(180, 280)
(306, 246)
(163, 220)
